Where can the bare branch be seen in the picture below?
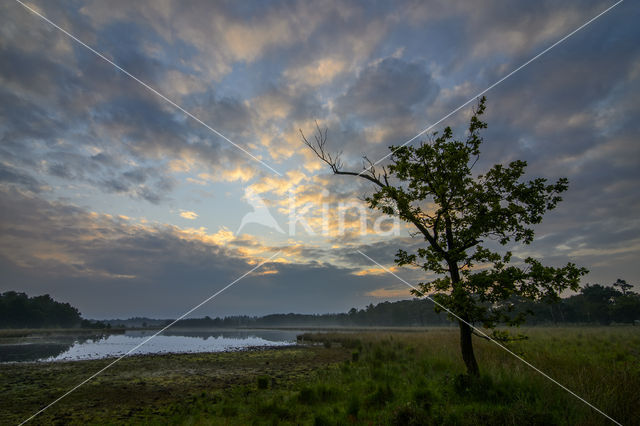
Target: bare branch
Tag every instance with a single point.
(370, 174)
(319, 148)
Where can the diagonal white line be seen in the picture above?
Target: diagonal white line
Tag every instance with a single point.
(145, 85)
(152, 336)
(494, 341)
(431, 126)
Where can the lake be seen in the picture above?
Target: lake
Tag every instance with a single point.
(70, 348)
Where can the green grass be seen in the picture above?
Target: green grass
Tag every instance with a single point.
(364, 378)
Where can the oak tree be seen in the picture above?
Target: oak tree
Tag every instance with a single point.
(460, 215)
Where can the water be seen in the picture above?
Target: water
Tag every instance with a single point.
(68, 348)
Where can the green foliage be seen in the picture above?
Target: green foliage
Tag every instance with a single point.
(322, 420)
(410, 414)
(457, 212)
(623, 286)
(17, 310)
(307, 395)
(354, 407)
(380, 396)
(604, 304)
(426, 386)
(263, 382)
(420, 312)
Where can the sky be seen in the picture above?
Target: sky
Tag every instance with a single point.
(141, 193)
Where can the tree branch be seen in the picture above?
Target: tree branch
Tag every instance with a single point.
(381, 180)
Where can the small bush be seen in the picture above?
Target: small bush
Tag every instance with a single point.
(377, 373)
(353, 407)
(380, 396)
(321, 420)
(424, 398)
(326, 393)
(352, 343)
(307, 395)
(476, 388)
(410, 414)
(263, 382)
(228, 410)
(355, 356)
(274, 410)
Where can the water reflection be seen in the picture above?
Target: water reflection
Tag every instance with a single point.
(63, 348)
(38, 348)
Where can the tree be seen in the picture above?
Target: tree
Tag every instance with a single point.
(597, 302)
(17, 310)
(457, 213)
(623, 285)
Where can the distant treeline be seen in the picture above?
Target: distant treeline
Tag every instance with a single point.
(594, 304)
(417, 312)
(17, 310)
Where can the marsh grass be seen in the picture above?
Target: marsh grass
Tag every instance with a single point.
(418, 379)
(388, 378)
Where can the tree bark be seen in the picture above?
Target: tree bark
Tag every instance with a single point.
(466, 342)
(466, 345)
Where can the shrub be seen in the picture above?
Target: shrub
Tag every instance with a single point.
(380, 396)
(476, 388)
(353, 407)
(263, 382)
(229, 410)
(321, 420)
(326, 393)
(307, 395)
(423, 397)
(274, 410)
(410, 414)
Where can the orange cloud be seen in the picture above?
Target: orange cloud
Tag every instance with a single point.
(386, 293)
(317, 73)
(188, 215)
(375, 271)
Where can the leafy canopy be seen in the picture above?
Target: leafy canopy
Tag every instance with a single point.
(457, 212)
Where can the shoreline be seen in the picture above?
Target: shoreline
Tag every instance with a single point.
(152, 381)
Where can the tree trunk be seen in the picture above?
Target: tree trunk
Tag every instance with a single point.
(466, 344)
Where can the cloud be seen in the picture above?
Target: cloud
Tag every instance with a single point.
(66, 108)
(115, 266)
(375, 271)
(11, 175)
(75, 130)
(388, 90)
(317, 73)
(188, 215)
(391, 293)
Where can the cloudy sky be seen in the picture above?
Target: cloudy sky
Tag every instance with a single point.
(117, 201)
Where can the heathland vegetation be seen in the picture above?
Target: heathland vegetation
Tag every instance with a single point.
(399, 378)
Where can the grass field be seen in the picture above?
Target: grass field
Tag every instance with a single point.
(384, 377)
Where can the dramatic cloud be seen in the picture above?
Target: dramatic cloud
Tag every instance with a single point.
(110, 266)
(387, 90)
(99, 175)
